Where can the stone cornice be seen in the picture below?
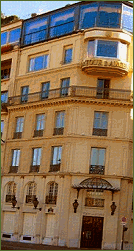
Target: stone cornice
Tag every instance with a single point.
(71, 100)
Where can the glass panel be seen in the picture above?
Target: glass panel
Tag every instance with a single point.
(104, 120)
(68, 56)
(65, 83)
(38, 63)
(25, 90)
(127, 18)
(94, 156)
(58, 117)
(35, 156)
(123, 52)
(45, 62)
(3, 38)
(39, 156)
(14, 35)
(109, 15)
(17, 157)
(31, 64)
(59, 154)
(45, 89)
(88, 15)
(62, 23)
(19, 124)
(55, 154)
(91, 48)
(35, 30)
(2, 125)
(4, 97)
(107, 49)
(40, 122)
(97, 120)
(101, 159)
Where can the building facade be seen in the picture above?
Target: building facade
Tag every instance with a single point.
(66, 127)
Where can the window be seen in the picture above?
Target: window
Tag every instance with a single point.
(97, 160)
(59, 123)
(35, 30)
(62, 23)
(19, 127)
(4, 97)
(68, 56)
(45, 90)
(10, 36)
(88, 15)
(103, 88)
(31, 192)
(100, 123)
(2, 127)
(127, 18)
(38, 63)
(5, 69)
(108, 49)
(24, 94)
(52, 193)
(11, 191)
(65, 86)
(36, 160)
(56, 158)
(15, 161)
(40, 121)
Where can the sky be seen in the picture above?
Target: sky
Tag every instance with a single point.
(23, 9)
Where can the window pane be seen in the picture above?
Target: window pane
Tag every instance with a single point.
(68, 56)
(59, 154)
(58, 117)
(88, 15)
(123, 52)
(38, 63)
(45, 89)
(2, 125)
(4, 97)
(40, 122)
(19, 124)
(65, 84)
(31, 64)
(14, 35)
(109, 15)
(127, 22)
(62, 23)
(39, 156)
(25, 90)
(101, 157)
(96, 120)
(45, 63)
(94, 156)
(34, 157)
(3, 38)
(55, 154)
(91, 48)
(104, 120)
(17, 157)
(107, 49)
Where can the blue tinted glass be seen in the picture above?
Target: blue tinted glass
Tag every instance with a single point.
(127, 22)
(68, 56)
(4, 97)
(109, 15)
(14, 35)
(38, 63)
(88, 15)
(107, 49)
(3, 38)
(62, 23)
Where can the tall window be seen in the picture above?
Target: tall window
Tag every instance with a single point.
(127, 18)
(59, 123)
(68, 56)
(97, 160)
(103, 88)
(15, 160)
(10, 36)
(56, 158)
(4, 97)
(24, 94)
(100, 123)
(11, 191)
(38, 63)
(31, 192)
(45, 90)
(2, 127)
(36, 159)
(88, 15)
(65, 86)
(52, 193)
(62, 23)
(40, 121)
(19, 127)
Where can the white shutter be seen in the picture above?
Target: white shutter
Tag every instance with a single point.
(8, 226)
(29, 224)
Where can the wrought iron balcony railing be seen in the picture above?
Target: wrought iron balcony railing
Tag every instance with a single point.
(96, 169)
(51, 199)
(30, 198)
(13, 169)
(54, 168)
(74, 91)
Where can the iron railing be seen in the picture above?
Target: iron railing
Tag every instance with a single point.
(96, 169)
(51, 199)
(74, 91)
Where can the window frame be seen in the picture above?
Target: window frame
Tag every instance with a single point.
(64, 57)
(37, 121)
(45, 60)
(57, 155)
(6, 99)
(37, 159)
(98, 148)
(8, 36)
(17, 158)
(20, 123)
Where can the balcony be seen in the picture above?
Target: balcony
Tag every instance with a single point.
(99, 132)
(58, 131)
(9, 198)
(75, 91)
(38, 133)
(96, 169)
(51, 199)
(13, 169)
(107, 67)
(17, 135)
(30, 198)
(54, 168)
(34, 169)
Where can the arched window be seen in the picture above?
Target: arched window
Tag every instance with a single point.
(11, 191)
(31, 192)
(52, 193)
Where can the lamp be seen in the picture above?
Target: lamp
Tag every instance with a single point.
(36, 202)
(75, 205)
(113, 207)
(14, 202)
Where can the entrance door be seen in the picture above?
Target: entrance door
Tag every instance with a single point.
(91, 236)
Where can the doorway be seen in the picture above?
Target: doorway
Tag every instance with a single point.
(92, 229)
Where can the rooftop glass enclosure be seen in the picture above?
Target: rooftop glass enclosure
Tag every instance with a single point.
(77, 17)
